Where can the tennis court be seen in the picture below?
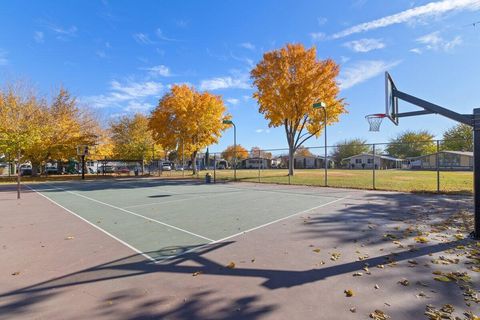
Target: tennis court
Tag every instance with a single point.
(164, 218)
(182, 249)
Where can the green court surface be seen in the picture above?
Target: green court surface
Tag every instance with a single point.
(165, 218)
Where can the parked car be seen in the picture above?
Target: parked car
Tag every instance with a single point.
(123, 170)
(51, 170)
(106, 169)
(166, 167)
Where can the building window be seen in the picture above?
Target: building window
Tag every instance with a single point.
(370, 161)
(358, 160)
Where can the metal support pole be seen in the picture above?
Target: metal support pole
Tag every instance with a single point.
(83, 167)
(18, 173)
(476, 171)
(325, 159)
(437, 163)
(214, 168)
(183, 160)
(373, 178)
(234, 152)
(259, 164)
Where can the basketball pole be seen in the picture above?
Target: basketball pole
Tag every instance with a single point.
(83, 167)
(472, 120)
(476, 170)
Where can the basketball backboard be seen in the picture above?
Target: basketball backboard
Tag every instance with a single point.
(82, 150)
(391, 102)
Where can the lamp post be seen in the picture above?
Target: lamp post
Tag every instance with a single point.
(323, 105)
(234, 147)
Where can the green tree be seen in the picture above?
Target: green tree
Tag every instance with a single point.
(411, 144)
(458, 138)
(348, 148)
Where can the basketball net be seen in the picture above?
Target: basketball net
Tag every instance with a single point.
(375, 120)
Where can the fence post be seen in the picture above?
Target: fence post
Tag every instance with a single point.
(373, 167)
(259, 164)
(214, 168)
(437, 160)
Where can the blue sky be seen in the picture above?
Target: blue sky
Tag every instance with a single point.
(120, 57)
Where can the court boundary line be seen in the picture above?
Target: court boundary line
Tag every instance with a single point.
(95, 226)
(136, 214)
(247, 231)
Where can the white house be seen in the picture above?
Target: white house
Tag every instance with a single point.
(368, 160)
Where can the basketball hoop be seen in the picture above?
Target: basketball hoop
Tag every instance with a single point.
(375, 120)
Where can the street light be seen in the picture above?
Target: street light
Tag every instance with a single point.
(323, 105)
(234, 147)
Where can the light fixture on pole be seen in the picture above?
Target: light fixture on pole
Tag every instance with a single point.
(323, 105)
(234, 147)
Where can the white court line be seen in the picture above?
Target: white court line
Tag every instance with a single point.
(93, 225)
(246, 231)
(136, 214)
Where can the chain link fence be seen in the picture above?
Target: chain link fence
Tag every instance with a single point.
(410, 167)
(427, 166)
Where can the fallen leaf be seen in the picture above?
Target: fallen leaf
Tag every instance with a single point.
(231, 265)
(197, 273)
(404, 282)
(358, 274)
(348, 292)
(379, 315)
(16, 273)
(376, 286)
(316, 250)
(70, 238)
(353, 310)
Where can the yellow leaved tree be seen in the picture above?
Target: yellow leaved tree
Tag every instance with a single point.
(190, 119)
(132, 139)
(64, 126)
(289, 81)
(229, 153)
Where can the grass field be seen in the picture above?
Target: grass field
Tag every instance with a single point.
(396, 180)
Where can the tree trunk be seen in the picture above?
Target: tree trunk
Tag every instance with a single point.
(35, 167)
(291, 160)
(194, 162)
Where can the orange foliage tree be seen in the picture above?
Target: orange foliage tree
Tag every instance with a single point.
(288, 82)
(190, 119)
(229, 152)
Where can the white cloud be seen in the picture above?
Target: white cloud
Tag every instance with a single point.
(3, 58)
(262, 131)
(416, 50)
(160, 70)
(129, 96)
(135, 106)
(321, 21)
(344, 59)
(247, 45)
(432, 9)
(142, 38)
(162, 36)
(433, 41)
(365, 45)
(228, 82)
(38, 36)
(363, 71)
(317, 36)
(62, 33)
(232, 101)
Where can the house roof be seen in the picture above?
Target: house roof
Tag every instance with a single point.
(381, 156)
(462, 153)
